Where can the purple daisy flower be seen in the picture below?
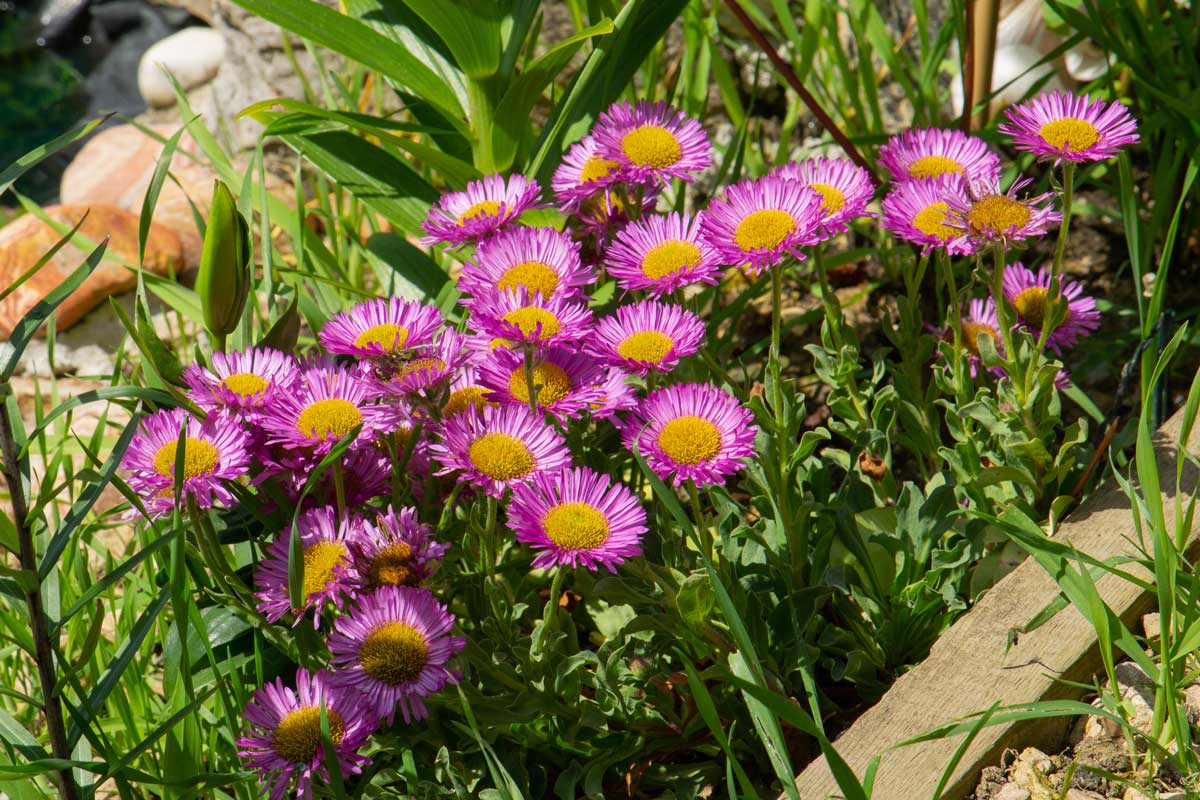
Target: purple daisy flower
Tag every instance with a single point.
(329, 572)
(540, 260)
(381, 327)
(844, 186)
(648, 336)
(428, 366)
(918, 211)
(214, 452)
(530, 318)
(577, 517)
(467, 393)
(759, 222)
(582, 175)
(652, 141)
(980, 319)
(499, 448)
(366, 475)
(659, 254)
(1027, 292)
(988, 215)
(282, 737)
(566, 382)
(485, 206)
(930, 152)
(1060, 125)
(692, 431)
(245, 380)
(393, 649)
(616, 395)
(396, 550)
(328, 407)
(605, 212)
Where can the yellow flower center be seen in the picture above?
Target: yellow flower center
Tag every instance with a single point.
(1069, 133)
(646, 347)
(392, 566)
(932, 166)
(971, 331)
(1032, 305)
(535, 276)
(689, 440)
(835, 200)
(997, 214)
(467, 397)
(501, 457)
(387, 336)
(763, 229)
(931, 221)
(484, 208)
(330, 417)
(420, 365)
(651, 146)
(199, 458)
(394, 653)
(596, 168)
(320, 560)
(669, 258)
(298, 735)
(576, 526)
(553, 379)
(528, 318)
(246, 384)
(600, 206)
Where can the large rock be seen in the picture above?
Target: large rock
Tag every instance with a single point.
(26, 239)
(192, 56)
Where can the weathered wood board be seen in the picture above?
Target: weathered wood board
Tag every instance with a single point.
(970, 668)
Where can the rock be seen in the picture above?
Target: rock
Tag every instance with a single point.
(1108, 755)
(26, 239)
(1151, 626)
(1130, 675)
(200, 9)
(1011, 791)
(1082, 794)
(193, 56)
(1030, 772)
(1191, 699)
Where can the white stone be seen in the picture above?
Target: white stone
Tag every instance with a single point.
(193, 56)
(1151, 625)
(1082, 794)
(1011, 791)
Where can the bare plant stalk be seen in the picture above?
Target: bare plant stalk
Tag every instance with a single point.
(983, 48)
(43, 651)
(789, 75)
(968, 64)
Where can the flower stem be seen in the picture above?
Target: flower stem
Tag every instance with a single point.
(1068, 197)
(703, 531)
(833, 309)
(533, 405)
(551, 616)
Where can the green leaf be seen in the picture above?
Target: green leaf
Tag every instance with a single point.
(41, 262)
(19, 167)
(286, 330)
(470, 29)
(419, 278)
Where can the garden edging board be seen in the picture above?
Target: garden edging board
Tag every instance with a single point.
(971, 666)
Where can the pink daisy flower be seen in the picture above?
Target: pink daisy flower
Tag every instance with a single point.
(467, 393)
(479, 211)
(652, 141)
(647, 336)
(329, 572)
(366, 475)
(568, 380)
(582, 175)
(1060, 125)
(214, 453)
(616, 395)
(919, 212)
(381, 327)
(660, 254)
(759, 222)
(530, 318)
(692, 431)
(844, 186)
(540, 260)
(499, 448)
(393, 649)
(979, 320)
(428, 367)
(327, 408)
(577, 517)
(246, 380)
(1027, 292)
(282, 737)
(396, 550)
(930, 152)
(988, 215)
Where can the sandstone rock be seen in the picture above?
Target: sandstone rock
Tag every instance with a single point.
(193, 56)
(1151, 626)
(1082, 794)
(1191, 699)
(24, 240)
(1030, 772)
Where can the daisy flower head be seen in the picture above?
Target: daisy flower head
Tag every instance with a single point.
(499, 448)
(396, 550)
(483, 208)
(929, 152)
(646, 336)
(617, 394)
(985, 214)
(245, 380)
(1028, 292)
(1063, 126)
(605, 211)
(582, 175)
(918, 212)
(329, 405)
(282, 736)
(529, 318)
(692, 431)
(979, 320)
(542, 261)
(428, 366)
(214, 452)
(577, 518)
(329, 572)
(565, 382)
(845, 188)
(381, 327)
(393, 649)
(652, 141)
(659, 254)
(366, 475)
(467, 394)
(760, 222)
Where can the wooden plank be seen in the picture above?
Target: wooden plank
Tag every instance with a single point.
(969, 667)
